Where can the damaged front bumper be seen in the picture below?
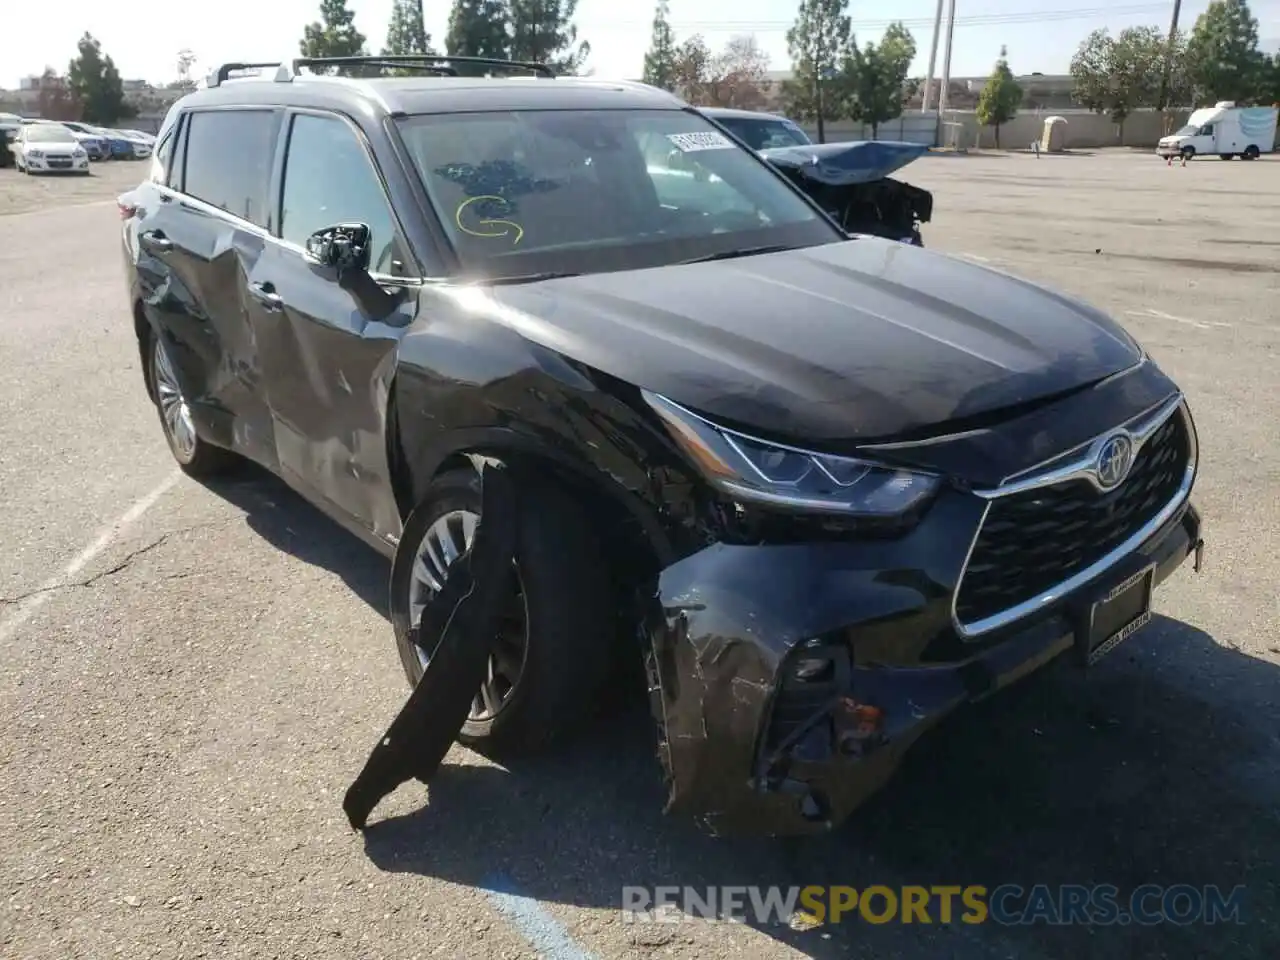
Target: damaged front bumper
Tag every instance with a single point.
(788, 681)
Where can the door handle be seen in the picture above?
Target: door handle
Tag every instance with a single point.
(265, 294)
(156, 240)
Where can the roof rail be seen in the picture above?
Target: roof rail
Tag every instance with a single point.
(426, 62)
(223, 73)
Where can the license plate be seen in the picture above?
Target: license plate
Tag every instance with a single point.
(1117, 615)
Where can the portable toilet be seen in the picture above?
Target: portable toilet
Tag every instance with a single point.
(1054, 137)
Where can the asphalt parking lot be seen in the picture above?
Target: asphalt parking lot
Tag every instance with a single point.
(193, 675)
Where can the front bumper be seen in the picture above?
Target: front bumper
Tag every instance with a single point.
(57, 164)
(743, 755)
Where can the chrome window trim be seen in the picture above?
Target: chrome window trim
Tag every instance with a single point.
(1146, 425)
(248, 226)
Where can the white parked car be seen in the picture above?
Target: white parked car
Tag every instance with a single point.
(49, 148)
(141, 135)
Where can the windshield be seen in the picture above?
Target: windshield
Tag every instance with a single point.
(563, 191)
(49, 133)
(763, 134)
(1188, 131)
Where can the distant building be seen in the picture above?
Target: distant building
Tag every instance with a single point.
(1041, 91)
(150, 102)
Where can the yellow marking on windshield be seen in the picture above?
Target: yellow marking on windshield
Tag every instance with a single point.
(457, 218)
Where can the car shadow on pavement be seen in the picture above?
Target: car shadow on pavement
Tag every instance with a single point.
(1160, 766)
(288, 522)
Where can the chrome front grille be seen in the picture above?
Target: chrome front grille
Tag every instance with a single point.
(1043, 536)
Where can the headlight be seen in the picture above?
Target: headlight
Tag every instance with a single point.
(35, 153)
(752, 470)
(78, 152)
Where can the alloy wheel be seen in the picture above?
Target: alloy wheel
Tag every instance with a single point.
(445, 540)
(174, 411)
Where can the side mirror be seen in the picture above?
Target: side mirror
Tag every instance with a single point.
(343, 247)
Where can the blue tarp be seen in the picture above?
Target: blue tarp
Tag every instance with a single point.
(842, 164)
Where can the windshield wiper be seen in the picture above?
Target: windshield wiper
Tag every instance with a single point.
(529, 277)
(738, 252)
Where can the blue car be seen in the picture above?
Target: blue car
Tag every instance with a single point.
(121, 146)
(759, 131)
(92, 139)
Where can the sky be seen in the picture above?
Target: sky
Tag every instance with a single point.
(144, 36)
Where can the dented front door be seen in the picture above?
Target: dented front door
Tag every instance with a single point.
(326, 362)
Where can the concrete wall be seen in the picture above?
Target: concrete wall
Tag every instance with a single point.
(913, 127)
(1084, 129)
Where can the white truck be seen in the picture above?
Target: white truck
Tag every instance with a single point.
(1226, 130)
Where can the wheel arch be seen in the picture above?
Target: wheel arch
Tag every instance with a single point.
(142, 330)
(631, 530)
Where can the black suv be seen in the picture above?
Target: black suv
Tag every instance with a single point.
(827, 488)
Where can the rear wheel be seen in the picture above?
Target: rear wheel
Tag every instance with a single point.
(1251, 152)
(196, 457)
(553, 652)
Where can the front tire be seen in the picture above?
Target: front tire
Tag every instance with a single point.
(554, 651)
(196, 456)
(1188, 153)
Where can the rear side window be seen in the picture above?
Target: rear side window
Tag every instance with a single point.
(168, 155)
(228, 160)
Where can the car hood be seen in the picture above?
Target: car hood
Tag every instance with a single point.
(843, 164)
(850, 341)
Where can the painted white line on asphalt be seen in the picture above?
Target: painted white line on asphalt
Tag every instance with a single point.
(1161, 315)
(27, 608)
(545, 933)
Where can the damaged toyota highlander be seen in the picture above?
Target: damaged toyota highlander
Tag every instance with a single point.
(824, 488)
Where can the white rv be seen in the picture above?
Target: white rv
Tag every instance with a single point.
(1225, 130)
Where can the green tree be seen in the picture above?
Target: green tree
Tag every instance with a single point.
(736, 77)
(543, 31)
(1180, 90)
(1223, 56)
(660, 61)
(406, 33)
(1118, 75)
(56, 100)
(818, 43)
(333, 35)
(1000, 98)
(95, 82)
(479, 28)
(739, 75)
(692, 71)
(1091, 71)
(874, 79)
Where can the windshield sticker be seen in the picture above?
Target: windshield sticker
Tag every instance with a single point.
(693, 142)
(481, 210)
